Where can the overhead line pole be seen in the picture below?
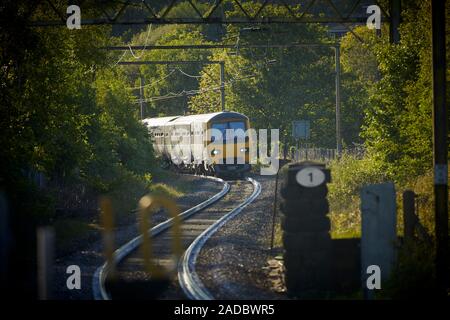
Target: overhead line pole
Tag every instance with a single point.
(395, 12)
(337, 50)
(222, 85)
(141, 96)
(440, 146)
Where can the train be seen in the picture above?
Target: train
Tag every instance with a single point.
(212, 143)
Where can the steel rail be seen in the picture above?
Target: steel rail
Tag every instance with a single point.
(189, 281)
(100, 275)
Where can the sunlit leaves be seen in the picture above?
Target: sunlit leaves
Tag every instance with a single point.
(397, 124)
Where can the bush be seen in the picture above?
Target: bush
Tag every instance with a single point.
(128, 188)
(348, 175)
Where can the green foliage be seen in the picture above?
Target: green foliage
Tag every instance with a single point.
(65, 112)
(166, 190)
(349, 175)
(393, 84)
(254, 79)
(126, 190)
(165, 85)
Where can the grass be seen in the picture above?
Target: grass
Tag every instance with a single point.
(345, 235)
(346, 223)
(166, 182)
(278, 236)
(164, 189)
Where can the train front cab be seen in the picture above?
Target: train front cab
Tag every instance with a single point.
(230, 157)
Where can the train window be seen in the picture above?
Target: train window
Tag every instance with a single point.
(236, 125)
(220, 126)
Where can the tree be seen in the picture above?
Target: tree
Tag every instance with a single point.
(275, 86)
(395, 87)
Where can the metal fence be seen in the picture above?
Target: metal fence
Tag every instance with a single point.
(316, 154)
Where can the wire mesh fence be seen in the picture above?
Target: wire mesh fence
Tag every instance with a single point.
(316, 154)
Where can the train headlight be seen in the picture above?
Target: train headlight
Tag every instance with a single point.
(243, 150)
(215, 152)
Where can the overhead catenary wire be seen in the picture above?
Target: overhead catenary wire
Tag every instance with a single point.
(165, 77)
(190, 92)
(154, 82)
(172, 95)
(186, 74)
(145, 45)
(120, 59)
(131, 50)
(236, 46)
(182, 93)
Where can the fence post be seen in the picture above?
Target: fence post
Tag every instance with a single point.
(45, 256)
(378, 231)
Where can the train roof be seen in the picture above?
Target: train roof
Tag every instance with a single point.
(205, 117)
(157, 122)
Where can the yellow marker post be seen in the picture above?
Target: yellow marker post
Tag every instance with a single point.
(147, 206)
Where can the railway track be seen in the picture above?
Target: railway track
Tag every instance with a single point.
(198, 225)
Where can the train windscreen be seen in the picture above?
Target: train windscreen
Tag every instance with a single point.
(237, 126)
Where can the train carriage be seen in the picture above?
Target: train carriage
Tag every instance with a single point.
(213, 143)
